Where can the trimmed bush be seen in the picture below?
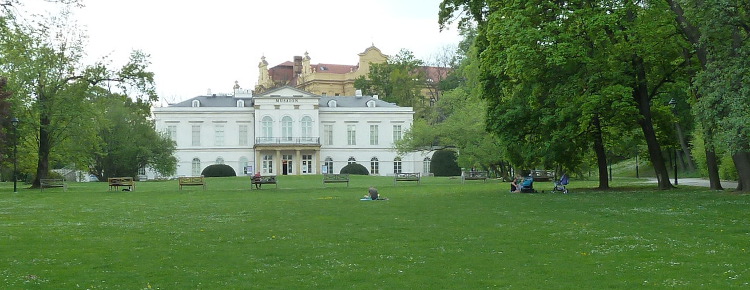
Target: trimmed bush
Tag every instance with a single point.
(218, 170)
(444, 163)
(355, 168)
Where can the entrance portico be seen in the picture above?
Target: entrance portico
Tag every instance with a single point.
(287, 159)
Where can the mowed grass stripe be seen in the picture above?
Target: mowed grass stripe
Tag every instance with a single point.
(437, 234)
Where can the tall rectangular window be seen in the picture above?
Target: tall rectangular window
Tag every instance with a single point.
(373, 134)
(396, 133)
(351, 134)
(219, 135)
(328, 134)
(306, 164)
(243, 135)
(267, 164)
(172, 132)
(196, 135)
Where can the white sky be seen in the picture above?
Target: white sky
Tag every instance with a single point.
(201, 45)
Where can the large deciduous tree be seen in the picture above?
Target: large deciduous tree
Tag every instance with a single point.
(573, 69)
(719, 31)
(130, 141)
(44, 67)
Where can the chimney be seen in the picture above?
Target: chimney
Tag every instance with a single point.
(358, 93)
(208, 92)
(297, 65)
(375, 97)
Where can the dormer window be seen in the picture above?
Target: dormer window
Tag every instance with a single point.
(332, 103)
(196, 103)
(240, 103)
(371, 104)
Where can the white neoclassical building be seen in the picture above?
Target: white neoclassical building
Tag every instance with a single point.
(287, 131)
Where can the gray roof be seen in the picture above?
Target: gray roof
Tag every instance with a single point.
(355, 102)
(214, 101)
(231, 101)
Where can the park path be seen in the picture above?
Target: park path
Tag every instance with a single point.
(699, 182)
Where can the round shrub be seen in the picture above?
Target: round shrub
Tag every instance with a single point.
(444, 163)
(355, 168)
(218, 170)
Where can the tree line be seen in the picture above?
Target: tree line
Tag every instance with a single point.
(567, 83)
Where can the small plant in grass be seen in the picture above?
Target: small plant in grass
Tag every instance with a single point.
(218, 170)
(355, 168)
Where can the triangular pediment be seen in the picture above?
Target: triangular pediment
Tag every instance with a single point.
(286, 91)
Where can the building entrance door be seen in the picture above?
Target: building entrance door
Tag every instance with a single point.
(286, 164)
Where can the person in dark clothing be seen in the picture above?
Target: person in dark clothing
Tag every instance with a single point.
(372, 194)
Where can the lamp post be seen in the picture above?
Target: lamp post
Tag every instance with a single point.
(673, 104)
(14, 122)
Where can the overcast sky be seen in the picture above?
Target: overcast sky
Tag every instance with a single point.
(201, 45)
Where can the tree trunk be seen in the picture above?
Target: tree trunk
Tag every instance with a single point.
(42, 166)
(601, 155)
(693, 35)
(685, 149)
(742, 163)
(643, 100)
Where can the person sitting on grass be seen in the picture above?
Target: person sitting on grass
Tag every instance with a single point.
(515, 185)
(372, 194)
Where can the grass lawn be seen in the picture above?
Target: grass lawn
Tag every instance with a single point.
(436, 235)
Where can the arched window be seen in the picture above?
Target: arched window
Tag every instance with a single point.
(266, 128)
(240, 103)
(374, 166)
(220, 160)
(306, 123)
(332, 103)
(371, 104)
(397, 165)
(196, 167)
(351, 160)
(286, 128)
(426, 165)
(196, 103)
(328, 165)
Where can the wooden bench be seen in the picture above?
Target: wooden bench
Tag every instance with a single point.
(192, 180)
(407, 177)
(50, 183)
(543, 175)
(336, 178)
(474, 175)
(264, 180)
(116, 182)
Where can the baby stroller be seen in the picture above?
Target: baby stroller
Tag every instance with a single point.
(560, 184)
(528, 185)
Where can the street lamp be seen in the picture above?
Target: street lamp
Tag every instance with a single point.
(14, 122)
(673, 104)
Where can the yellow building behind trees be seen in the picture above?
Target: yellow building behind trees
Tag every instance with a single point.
(335, 79)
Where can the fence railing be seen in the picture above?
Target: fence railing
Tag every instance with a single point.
(288, 140)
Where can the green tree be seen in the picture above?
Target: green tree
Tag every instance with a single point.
(549, 67)
(6, 128)
(718, 30)
(399, 80)
(130, 141)
(44, 68)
